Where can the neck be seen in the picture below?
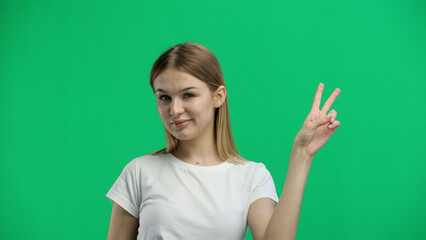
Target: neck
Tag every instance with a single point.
(201, 149)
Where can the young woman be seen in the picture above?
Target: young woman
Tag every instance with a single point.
(198, 186)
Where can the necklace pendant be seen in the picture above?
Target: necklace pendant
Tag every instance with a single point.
(198, 162)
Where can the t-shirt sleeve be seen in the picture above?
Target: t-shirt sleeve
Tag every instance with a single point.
(126, 189)
(263, 185)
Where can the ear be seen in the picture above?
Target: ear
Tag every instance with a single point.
(219, 96)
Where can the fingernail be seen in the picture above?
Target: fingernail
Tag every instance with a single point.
(332, 120)
(331, 125)
(329, 115)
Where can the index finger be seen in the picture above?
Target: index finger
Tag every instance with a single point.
(317, 98)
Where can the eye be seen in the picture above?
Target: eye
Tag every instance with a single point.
(189, 94)
(164, 97)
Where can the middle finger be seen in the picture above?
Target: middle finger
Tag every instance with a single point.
(330, 100)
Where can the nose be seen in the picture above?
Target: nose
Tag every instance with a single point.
(176, 107)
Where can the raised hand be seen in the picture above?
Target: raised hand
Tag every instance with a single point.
(315, 131)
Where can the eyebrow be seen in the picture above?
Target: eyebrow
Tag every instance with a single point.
(185, 89)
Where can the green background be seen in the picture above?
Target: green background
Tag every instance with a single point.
(76, 105)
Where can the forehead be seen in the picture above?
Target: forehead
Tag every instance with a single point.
(172, 80)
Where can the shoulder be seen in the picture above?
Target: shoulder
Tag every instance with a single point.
(250, 164)
(144, 161)
(251, 167)
(150, 157)
(148, 160)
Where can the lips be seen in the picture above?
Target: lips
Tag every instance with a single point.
(180, 121)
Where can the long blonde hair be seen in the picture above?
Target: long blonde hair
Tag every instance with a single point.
(198, 61)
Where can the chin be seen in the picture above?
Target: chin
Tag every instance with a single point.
(181, 136)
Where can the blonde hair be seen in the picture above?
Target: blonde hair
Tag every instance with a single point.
(198, 61)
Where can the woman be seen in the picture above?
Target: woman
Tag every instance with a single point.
(198, 186)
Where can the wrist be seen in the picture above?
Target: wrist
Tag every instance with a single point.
(299, 155)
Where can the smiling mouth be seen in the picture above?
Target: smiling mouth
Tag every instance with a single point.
(181, 123)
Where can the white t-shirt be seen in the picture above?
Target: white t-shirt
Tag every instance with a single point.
(176, 200)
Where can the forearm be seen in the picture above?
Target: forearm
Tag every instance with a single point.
(284, 220)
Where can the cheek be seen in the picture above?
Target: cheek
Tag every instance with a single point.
(205, 111)
(162, 111)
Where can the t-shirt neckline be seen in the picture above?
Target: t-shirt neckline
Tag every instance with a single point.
(197, 167)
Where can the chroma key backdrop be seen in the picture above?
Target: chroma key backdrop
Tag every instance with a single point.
(76, 105)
